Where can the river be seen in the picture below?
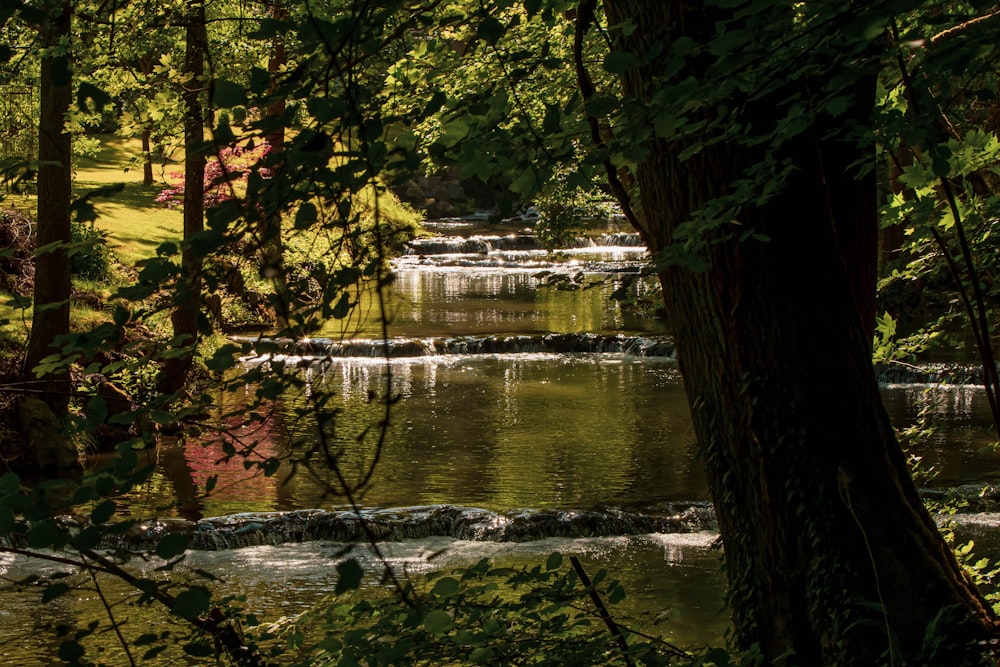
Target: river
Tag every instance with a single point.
(526, 391)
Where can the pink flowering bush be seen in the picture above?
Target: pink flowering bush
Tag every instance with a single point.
(226, 175)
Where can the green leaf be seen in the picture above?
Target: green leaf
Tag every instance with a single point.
(343, 307)
(45, 534)
(97, 410)
(52, 591)
(172, 545)
(438, 621)
(71, 651)
(88, 91)
(228, 94)
(481, 654)
(600, 105)
(224, 358)
(306, 216)
(191, 603)
(838, 105)
(260, 80)
(8, 520)
(618, 62)
(349, 574)
(103, 512)
(200, 649)
(526, 184)
(325, 109)
(554, 561)
(729, 41)
(553, 119)
(446, 587)
(684, 46)
(491, 30)
(10, 483)
(161, 417)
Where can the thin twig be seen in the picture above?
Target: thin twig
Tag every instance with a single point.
(602, 610)
(584, 19)
(976, 312)
(115, 625)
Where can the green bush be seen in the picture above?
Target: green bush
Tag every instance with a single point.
(90, 256)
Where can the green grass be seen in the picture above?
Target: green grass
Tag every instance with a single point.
(134, 223)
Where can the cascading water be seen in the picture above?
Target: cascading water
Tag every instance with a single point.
(536, 415)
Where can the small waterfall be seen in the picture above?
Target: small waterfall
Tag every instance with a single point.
(410, 523)
(472, 245)
(485, 244)
(955, 374)
(635, 346)
(612, 240)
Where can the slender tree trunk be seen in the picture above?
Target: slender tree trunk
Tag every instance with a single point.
(831, 556)
(186, 315)
(272, 243)
(146, 66)
(52, 275)
(147, 158)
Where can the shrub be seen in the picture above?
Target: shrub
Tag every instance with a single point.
(90, 256)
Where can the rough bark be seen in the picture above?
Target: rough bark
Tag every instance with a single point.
(272, 242)
(52, 275)
(186, 314)
(831, 556)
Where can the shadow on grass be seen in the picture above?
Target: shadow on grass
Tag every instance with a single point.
(134, 196)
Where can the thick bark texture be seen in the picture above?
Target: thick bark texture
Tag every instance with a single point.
(52, 276)
(187, 309)
(830, 554)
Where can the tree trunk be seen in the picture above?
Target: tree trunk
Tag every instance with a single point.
(186, 314)
(52, 275)
(830, 554)
(272, 243)
(147, 64)
(147, 158)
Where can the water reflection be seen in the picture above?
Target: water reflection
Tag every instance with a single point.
(506, 431)
(684, 600)
(458, 301)
(958, 446)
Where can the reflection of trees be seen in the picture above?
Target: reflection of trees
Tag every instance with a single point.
(508, 432)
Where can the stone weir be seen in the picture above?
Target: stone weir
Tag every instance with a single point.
(472, 245)
(409, 523)
(933, 373)
(635, 346)
(485, 244)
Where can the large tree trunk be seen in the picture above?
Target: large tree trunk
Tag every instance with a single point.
(52, 275)
(186, 314)
(831, 556)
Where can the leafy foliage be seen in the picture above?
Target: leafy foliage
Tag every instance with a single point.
(483, 614)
